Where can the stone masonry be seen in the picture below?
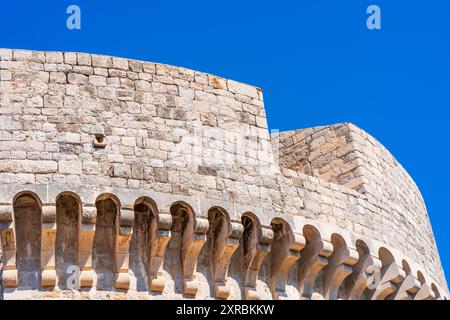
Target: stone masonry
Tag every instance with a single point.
(123, 179)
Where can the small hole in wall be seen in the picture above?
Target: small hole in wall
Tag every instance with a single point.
(99, 141)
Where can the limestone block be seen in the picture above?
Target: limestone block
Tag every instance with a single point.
(70, 166)
(241, 88)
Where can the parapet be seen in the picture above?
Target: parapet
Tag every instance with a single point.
(347, 155)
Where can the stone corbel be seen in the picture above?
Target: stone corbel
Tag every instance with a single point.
(253, 263)
(194, 237)
(123, 238)
(48, 239)
(314, 257)
(224, 248)
(8, 243)
(425, 293)
(360, 279)
(392, 276)
(339, 267)
(159, 242)
(284, 254)
(85, 246)
(409, 287)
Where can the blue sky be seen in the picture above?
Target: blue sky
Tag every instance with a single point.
(315, 60)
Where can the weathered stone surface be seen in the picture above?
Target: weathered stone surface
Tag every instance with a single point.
(188, 161)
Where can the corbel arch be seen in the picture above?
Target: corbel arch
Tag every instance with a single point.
(284, 254)
(222, 240)
(144, 229)
(340, 266)
(390, 277)
(357, 283)
(254, 246)
(313, 258)
(425, 292)
(437, 294)
(188, 235)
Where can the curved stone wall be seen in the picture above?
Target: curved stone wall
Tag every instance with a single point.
(346, 155)
(143, 180)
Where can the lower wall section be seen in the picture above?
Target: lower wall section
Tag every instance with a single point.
(125, 244)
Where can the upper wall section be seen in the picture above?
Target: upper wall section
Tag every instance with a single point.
(347, 155)
(150, 118)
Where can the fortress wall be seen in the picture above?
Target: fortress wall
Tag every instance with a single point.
(93, 124)
(152, 117)
(326, 152)
(346, 155)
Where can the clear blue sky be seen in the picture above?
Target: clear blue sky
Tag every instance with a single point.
(315, 60)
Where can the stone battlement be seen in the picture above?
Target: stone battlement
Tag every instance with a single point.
(128, 179)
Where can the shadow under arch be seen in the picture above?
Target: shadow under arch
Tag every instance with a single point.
(421, 277)
(104, 248)
(244, 266)
(406, 267)
(145, 218)
(250, 240)
(437, 294)
(219, 225)
(68, 223)
(28, 224)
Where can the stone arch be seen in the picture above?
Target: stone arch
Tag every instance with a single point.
(425, 292)
(145, 212)
(244, 265)
(284, 254)
(312, 260)
(28, 222)
(339, 267)
(437, 294)
(390, 276)
(104, 248)
(355, 285)
(222, 239)
(406, 267)
(409, 287)
(182, 229)
(421, 277)
(218, 230)
(68, 221)
(248, 247)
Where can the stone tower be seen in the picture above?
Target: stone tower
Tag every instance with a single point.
(123, 179)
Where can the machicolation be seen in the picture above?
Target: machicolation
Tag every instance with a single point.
(123, 179)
